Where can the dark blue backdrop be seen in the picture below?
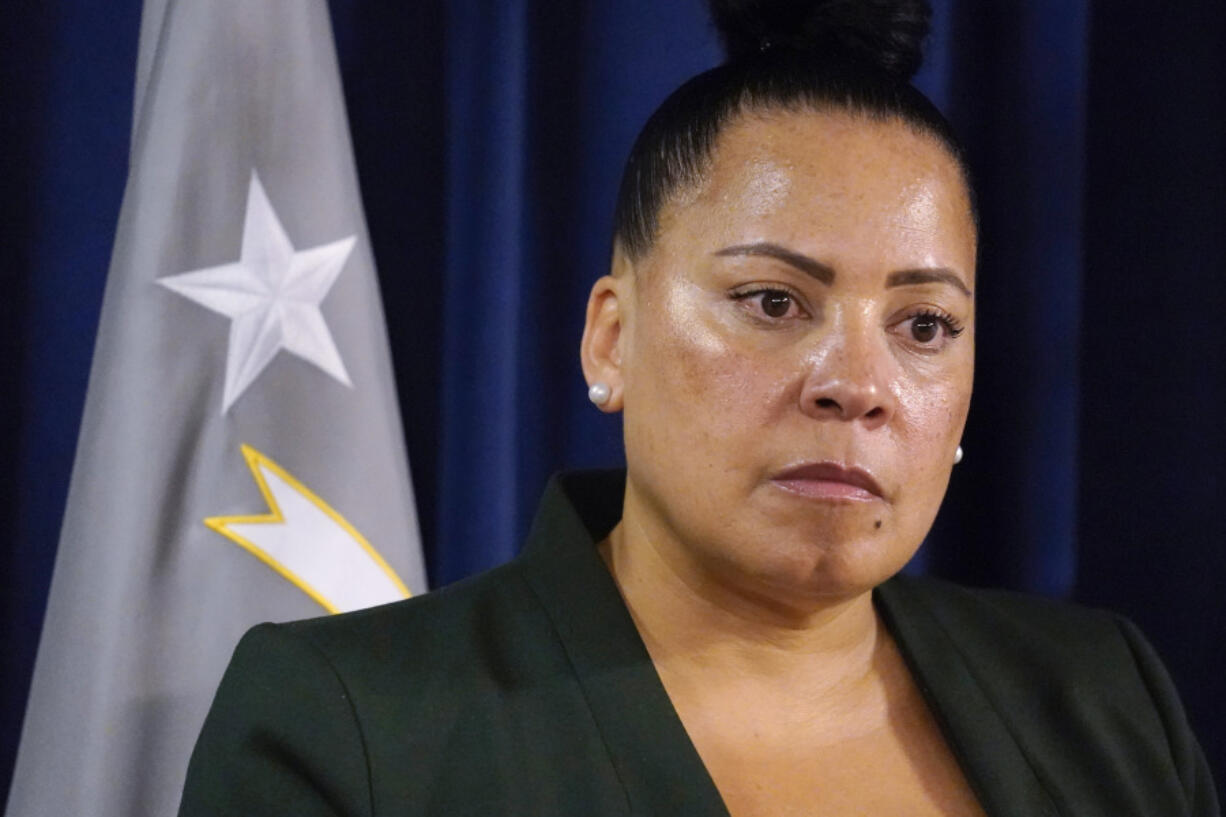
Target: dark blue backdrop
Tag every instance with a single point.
(489, 136)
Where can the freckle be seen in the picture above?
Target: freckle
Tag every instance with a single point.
(877, 524)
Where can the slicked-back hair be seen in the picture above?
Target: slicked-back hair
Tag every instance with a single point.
(676, 146)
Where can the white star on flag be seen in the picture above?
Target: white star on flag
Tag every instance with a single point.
(271, 296)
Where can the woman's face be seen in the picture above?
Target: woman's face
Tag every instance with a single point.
(795, 355)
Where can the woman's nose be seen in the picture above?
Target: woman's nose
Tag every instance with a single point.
(850, 381)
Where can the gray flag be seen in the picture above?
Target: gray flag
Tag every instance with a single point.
(241, 457)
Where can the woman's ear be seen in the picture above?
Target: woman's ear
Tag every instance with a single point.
(600, 351)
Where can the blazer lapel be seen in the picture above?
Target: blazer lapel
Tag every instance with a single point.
(979, 734)
(657, 763)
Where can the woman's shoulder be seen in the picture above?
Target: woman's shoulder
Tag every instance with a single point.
(441, 632)
(399, 703)
(1079, 690)
(1008, 629)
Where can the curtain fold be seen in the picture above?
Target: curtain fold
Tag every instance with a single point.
(488, 265)
(1017, 78)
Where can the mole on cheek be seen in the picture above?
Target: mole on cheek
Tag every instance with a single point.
(877, 524)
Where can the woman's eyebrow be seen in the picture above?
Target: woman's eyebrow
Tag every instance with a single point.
(825, 274)
(927, 275)
(804, 263)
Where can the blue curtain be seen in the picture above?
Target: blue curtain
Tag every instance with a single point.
(489, 138)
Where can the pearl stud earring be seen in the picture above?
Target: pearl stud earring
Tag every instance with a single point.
(957, 455)
(599, 393)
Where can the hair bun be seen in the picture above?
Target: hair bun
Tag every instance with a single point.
(886, 33)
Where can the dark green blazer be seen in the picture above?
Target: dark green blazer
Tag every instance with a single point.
(527, 691)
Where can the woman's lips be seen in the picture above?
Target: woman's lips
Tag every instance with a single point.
(829, 481)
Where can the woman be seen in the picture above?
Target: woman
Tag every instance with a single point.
(788, 330)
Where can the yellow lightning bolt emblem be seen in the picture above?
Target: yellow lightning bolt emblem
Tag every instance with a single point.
(309, 543)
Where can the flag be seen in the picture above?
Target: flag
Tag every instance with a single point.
(241, 457)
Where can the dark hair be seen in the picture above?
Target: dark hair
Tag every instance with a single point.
(853, 55)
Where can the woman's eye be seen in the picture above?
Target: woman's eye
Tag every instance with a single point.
(924, 328)
(931, 330)
(774, 304)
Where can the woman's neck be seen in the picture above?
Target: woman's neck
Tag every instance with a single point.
(694, 621)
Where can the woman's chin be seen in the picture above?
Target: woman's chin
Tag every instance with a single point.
(802, 573)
